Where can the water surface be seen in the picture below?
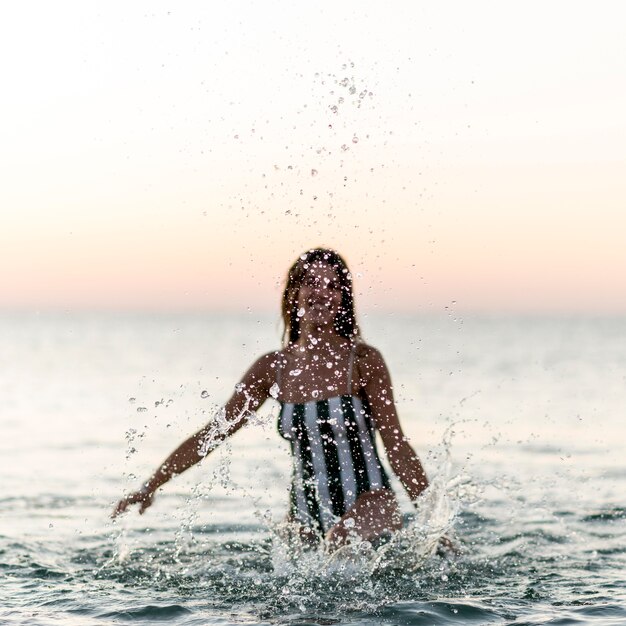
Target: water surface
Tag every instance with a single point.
(519, 422)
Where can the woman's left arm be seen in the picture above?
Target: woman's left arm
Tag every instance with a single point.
(376, 382)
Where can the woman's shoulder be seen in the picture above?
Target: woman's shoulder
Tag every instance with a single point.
(270, 359)
(265, 366)
(369, 361)
(363, 351)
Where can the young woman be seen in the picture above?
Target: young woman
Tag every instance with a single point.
(335, 393)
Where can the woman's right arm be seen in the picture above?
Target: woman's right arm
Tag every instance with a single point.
(248, 396)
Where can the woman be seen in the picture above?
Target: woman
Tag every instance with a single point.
(335, 392)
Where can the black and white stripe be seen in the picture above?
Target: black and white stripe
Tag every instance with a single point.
(335, 457)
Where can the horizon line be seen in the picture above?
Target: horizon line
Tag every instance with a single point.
(373, 311)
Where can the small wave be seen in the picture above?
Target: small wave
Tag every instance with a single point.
(150, 612)
(533, 448)
(223, 529)
(609, 613)
(608, 515)
(45, 501)
(534, 537)
(427, 613)
(37, 570)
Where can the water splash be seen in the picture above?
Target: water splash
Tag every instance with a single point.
(274, 391)
(422, 536)
(277, 555)
(221, 425)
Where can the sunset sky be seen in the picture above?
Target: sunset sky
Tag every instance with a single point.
(162, 155)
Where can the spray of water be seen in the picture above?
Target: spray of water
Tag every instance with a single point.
(425, 533)
(294, 562)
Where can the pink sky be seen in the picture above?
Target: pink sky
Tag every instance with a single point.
(189, 171)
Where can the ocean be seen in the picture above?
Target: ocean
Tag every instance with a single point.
(519, 422)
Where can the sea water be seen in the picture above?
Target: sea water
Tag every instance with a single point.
(519, 422)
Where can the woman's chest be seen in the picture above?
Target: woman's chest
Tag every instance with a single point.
(333, 419)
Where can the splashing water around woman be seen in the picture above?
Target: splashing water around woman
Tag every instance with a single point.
(335, 393)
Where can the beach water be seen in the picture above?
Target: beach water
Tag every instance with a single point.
(519, 422)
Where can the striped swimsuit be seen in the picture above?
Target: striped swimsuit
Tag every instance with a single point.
(334, 455)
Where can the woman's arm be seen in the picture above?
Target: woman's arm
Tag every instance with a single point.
(248, 396)
(376, 382)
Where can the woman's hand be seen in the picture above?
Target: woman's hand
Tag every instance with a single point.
(142, 497)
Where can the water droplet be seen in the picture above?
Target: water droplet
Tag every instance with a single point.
(348, 522)
(355, 139)
(141, 409)
(301, 312)
(295, 372)
(274, 390)
(313, 172)
(204, 394)
(329, 364)
(315, 393)
(132, 400)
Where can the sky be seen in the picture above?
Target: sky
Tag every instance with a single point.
(180, 156)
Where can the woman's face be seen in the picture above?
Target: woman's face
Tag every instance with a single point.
(319, 298)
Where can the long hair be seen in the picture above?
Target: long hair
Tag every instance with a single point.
(345, 321)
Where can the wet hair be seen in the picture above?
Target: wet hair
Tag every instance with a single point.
(345, 321)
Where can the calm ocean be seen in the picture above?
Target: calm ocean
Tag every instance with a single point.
(520, 423)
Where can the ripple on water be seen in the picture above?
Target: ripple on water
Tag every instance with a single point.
(609, 611)
(606, 614)
(607, 515)
(441, 612)
(527, 569)
(149, 613)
